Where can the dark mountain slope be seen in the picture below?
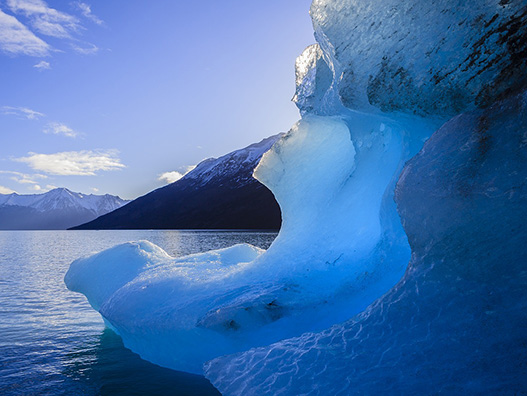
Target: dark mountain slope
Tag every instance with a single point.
(218, 194)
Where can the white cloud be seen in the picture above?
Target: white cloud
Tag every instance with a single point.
(23, 178)
(5, 190)
(68, 163)
(173, 176)
(40, 189)
(170, 177)
(16, 38)
(94, 189)
(22, 112)
(42, 65)
(85, 10)
(24, 181)
(90, 49)
(44, 19)
(58, 128)
(38, 17)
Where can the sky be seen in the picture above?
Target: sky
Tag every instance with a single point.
(123, 97)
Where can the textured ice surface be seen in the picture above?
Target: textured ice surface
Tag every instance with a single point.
(341, 239)
(457, 322)
(313, 80)
(155, 301)
(421, 57)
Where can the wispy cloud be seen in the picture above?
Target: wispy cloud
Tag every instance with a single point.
(69, 163)
(24, 178)
(55, 128)
(5, 190)
(22, 112)
(16, 38)
(88, 49)
(42, 65)
(58, 128)
(25, 181)
(85, 10)
(38, 17)
(44, 19)
(173, 176)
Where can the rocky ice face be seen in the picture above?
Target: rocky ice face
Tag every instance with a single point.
(383, 77)
(313, 81)
(419, 57)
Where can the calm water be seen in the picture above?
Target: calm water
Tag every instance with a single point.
(53, 343)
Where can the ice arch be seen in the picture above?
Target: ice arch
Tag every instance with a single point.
(341, 245)
(361, 91)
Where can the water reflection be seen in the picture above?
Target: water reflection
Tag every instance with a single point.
(108, 368)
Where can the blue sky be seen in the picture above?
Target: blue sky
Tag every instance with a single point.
(109, 96)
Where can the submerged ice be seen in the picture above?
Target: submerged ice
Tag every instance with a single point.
(383, 76)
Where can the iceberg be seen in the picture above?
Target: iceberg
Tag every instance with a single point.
(361, 197)
(154, 301)
(456, 322)
(181, 312)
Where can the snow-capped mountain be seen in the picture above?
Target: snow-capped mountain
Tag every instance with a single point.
(219, 193)
(236, 166)
(56, 209)
(232, 164)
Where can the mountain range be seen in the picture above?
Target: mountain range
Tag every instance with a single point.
(219, 193)
(57, 209)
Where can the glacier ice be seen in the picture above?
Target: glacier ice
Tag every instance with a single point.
(313, 80)
(457, 321)
(330, 182)
(383, 76)
(154, 301)
(421, 57)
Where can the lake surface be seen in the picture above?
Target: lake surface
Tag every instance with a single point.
(53, 343)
